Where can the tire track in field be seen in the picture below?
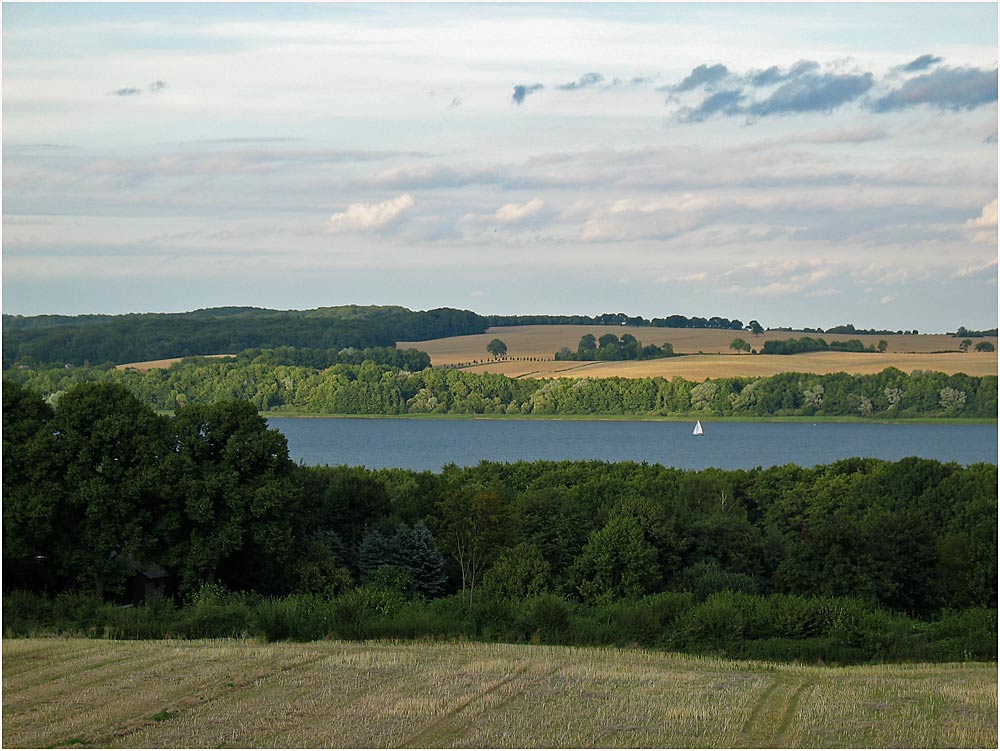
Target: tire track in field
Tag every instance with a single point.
(771, 717)
(450, 726)
(179, 706)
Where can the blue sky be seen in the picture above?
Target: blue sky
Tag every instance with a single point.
(800, 164)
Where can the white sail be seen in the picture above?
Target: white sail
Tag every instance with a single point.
(697, 429)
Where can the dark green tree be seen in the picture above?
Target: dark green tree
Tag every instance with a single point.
(617, 562)
(985, 347)
(414, 551)
(519, 573)
(232, 477)
(497, 348)
(111, 448)
(739, 345)
(31, 489)
(374, 552)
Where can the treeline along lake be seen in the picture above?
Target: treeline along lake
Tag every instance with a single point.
(431, 444)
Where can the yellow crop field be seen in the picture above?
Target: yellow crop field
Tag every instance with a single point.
(75, 693)
(145, 365)
(530, 351)
(700, 367)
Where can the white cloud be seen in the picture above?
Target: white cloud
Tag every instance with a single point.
(886, 299)
(984, 226)
(513, 212)
(987, 269)
(363, 216)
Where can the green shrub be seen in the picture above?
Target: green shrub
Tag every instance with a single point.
(789, 617)
(705, 579)
(214, 613)
(496, 617)
(545, 617)
(715, 623)
(293, 618)
(353, 612)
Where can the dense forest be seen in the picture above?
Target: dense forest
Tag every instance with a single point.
(76, 340)
(861, 559)
(388, 382)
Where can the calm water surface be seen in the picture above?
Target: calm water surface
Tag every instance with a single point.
(430, 444)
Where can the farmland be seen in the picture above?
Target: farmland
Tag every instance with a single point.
(531, 349)
(80, 693)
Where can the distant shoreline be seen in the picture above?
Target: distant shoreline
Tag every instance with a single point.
(648, 418)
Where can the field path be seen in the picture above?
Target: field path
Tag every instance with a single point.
(449, 728)
(771, 718)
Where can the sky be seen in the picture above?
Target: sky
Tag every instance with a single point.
(797, 164)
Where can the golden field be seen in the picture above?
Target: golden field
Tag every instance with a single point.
(75, 693)
(145, 365)
(530, 351)
(700, 367)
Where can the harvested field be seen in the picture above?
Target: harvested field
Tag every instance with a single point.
(156, 694)
(545, 341)
(142, 367)
(700, 367)
(531, 349)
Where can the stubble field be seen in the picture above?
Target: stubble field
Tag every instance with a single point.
(78, 693)
(530, 351)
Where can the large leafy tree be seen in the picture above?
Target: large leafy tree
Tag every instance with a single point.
(497, 348)
(110, 448)
(233, 479)
(30, 488)
(617, 562)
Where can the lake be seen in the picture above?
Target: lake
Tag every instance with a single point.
(430, 444)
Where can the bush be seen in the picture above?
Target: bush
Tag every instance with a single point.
(293, 618)
(545, 618)
(969, 634)
(715, 623)
(705, 579)
(354, 612)
(494, 617)
(215, 613)
(789, 617)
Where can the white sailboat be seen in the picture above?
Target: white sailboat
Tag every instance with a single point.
(697, 429)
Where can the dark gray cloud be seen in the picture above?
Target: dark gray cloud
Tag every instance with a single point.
(720, 103)
(587, 79)
(945, 88)
(703, 75)
(521, 91)
(813, 93)
(921, 63)
(129, 91)
(157, 86)
(991, 138)
(774, 74)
